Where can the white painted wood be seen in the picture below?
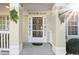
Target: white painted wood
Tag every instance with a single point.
(1, 40)
(6, 22)
(78, 25)
(2, 23)
(4, 34)
(72, 36)
(4, 49)
(4, 39)
(4, 18)
(7, 40)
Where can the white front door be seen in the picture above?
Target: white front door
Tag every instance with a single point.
(37, 29)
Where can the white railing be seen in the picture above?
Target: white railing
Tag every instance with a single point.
(4, 40)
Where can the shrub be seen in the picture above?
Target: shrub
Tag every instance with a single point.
(72, 46)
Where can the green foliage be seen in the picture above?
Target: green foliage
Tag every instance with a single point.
(72, 46)
(13, 15)
(61, 18)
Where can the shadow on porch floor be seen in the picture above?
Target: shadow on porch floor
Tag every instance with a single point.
(29, 49)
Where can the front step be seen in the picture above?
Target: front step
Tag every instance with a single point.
(42, 49)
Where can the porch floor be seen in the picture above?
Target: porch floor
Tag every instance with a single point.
(29, 49)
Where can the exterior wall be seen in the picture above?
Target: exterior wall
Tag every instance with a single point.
(72, 36)
(54, 26)
(51, 28)
(4, 12)
(25, 28)
(53, 17)
(57, 32)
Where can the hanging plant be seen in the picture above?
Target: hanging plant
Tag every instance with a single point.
(61, 18)
(14, 15)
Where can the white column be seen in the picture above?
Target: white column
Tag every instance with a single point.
(21, 34)
(14, 32)
(60, 36)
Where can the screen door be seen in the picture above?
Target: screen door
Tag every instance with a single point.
(37, 29)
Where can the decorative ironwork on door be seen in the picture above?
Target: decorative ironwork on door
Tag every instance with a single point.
(37, 27)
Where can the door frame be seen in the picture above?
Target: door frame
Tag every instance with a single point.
(44, 39)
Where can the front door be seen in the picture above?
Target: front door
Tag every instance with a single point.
(37, 29)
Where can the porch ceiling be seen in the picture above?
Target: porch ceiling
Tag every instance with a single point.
(3, 6)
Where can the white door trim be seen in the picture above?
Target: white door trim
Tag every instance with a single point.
(39, 39)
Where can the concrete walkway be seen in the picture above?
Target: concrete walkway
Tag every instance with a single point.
(29, 49)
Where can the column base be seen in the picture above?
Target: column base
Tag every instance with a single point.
(60, 51)
(14, 50)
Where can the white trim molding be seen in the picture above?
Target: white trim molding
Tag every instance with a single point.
(53, 48)
(60, 50)
(21, 47)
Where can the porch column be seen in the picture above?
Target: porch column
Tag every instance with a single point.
(60, 36)
(14, 32)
